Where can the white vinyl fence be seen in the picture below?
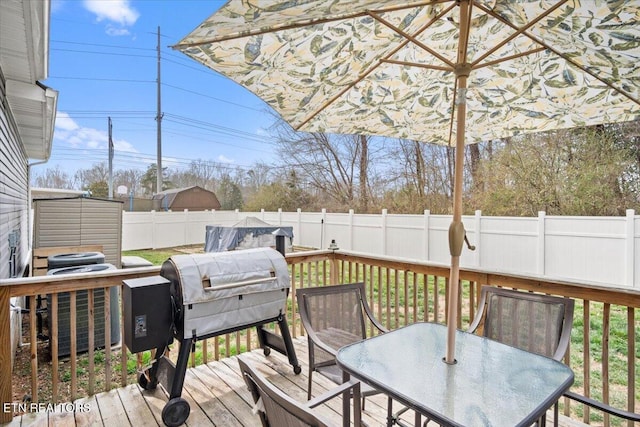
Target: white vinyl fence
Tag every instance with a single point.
(598, 250)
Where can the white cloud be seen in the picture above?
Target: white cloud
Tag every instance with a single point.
(122, 145)
(224, 159)
(65, 123)
(119, 15)
(118, 11)
(69, 132)
(116, 32)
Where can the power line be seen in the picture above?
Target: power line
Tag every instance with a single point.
(211, 97)
(101, 53)
(204, 69)
(113, 46)
(177, 119)
(208, 125)
(100, 154)
(99, 79)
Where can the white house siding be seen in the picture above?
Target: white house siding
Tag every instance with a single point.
(14, 201)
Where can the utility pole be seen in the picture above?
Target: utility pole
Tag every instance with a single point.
(110, 125)
(159, 123)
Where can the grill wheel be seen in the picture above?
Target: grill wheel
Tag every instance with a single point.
(175, 412)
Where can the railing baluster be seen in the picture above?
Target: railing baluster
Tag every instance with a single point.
(5, 352)
(606, 325)
(586, 355)
(436, 299)
(405, 284)
(33, 348)
(396, 300)
(73, 321)
(91, 340)
(107, 338)
(293, 318)
(415, 295)
(387, 282)
(227, 350)
(379, 287)
(53, 340)
(425, 297)
(631, 365)
(123, 349)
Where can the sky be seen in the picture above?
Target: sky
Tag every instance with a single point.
(103, 62)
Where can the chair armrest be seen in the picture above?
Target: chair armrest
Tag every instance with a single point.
(372, 318)
(330, 394)
(378, 325)
(311, 334)
(632, 416)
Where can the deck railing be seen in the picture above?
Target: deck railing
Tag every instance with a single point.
(604, 353)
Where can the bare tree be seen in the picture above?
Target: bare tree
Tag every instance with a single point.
(338, 167)
(421, 179)
(99, 172)
(53, 178)
(130, 178)
(566, 172)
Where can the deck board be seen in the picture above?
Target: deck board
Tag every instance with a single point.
(91, 417)
(218, 397)
(111, 409)
(136, 407)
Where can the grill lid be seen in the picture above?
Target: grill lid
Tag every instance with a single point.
(214, 275)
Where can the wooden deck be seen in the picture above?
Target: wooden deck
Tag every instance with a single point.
(217, 396)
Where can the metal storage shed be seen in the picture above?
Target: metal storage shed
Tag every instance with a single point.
(79, 221)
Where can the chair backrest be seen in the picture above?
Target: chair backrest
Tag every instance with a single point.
(533, 322)
(336, 315)
(276, 408)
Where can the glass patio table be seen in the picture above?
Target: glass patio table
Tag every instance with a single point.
(491, 384)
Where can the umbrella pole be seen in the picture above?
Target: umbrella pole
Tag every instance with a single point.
(456, 229)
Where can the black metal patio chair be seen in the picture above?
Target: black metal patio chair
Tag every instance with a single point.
(334, 316)
(533, 322)
(277, 409)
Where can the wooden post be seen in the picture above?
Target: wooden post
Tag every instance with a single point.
(5, 356)
(333, 272)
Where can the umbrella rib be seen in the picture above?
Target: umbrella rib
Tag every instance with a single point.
(378, 63)
(510, 57)
(518, 32)
(412, 38)
(566, 58)
(302, 24)
(417, 64)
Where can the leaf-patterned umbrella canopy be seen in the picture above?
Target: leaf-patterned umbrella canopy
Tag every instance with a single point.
(451, 72)
(388, 67)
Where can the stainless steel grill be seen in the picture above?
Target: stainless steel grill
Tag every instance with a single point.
(201, 296)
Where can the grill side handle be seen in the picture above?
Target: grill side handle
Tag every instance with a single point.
(238, 284)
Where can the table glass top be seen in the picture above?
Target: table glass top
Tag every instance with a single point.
(491, 384)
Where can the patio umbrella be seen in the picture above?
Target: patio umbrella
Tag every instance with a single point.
(451, 72)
